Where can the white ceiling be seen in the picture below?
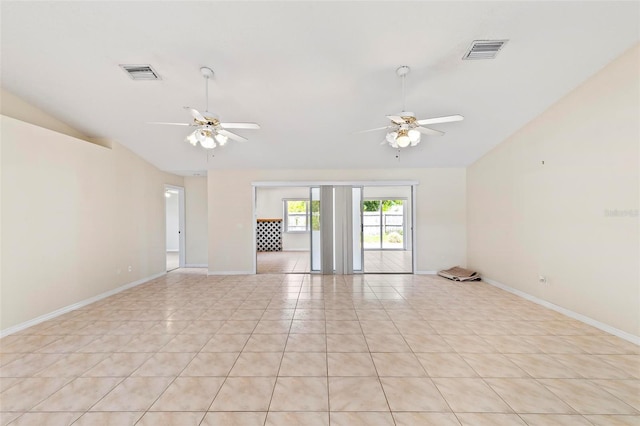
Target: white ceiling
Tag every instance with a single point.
(311, 73)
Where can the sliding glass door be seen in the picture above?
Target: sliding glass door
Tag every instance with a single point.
(384, 224)
(387, 220)
(316, 240)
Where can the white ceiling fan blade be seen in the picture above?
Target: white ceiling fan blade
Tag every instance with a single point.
(170, 124)
(375, 130)
(209, 116)
(428, 131)
(240, 125)
(232, 136)
(436, 120)
(396, 119)
(196, 114)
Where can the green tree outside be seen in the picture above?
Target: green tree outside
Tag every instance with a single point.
(374, 205)
(315, 215)
(297, 206)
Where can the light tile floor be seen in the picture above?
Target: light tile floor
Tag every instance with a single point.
(387, 261)
(375, 261)
(189, 349)
(283, 262)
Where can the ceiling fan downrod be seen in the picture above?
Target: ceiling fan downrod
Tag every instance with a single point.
(207, 73)
(402, 73)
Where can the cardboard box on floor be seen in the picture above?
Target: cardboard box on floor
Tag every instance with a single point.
(459, 274)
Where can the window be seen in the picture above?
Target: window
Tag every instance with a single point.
(296, 215)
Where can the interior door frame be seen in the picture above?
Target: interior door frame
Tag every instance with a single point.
(181, 224)
(363, 183)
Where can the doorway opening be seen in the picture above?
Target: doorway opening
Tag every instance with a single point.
(174, 225)
(283, 229)
(343, 228)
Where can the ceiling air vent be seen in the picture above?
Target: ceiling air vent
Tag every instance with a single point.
(141, 72)
(484, 49)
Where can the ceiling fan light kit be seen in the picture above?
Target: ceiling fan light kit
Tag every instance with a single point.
(405, 130)
(204, 135)
(209, 129)
(402, 139)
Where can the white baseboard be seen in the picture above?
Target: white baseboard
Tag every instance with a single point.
(583, 318)
(69, 308)
(296, 249)
(196, 265)
(230, 273)
(425, 272)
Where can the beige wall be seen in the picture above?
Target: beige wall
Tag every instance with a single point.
(75, 216)
(527, 219)
(196, 235)
(440, 208)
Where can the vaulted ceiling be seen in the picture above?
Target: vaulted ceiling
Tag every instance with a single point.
(310, 73)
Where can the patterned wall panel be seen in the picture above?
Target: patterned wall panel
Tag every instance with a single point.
(269, 235)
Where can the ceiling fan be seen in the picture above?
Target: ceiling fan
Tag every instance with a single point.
(209, 128)
(405, 130)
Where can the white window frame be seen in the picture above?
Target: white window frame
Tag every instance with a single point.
(285, 215)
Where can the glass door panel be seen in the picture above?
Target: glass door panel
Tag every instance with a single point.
(392, 220)
(371, 224)
(316, 241)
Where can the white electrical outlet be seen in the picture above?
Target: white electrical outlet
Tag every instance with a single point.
(130, 268)
(542, 279)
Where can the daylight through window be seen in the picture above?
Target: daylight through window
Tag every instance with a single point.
(296, 215)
